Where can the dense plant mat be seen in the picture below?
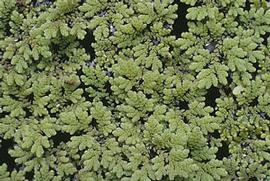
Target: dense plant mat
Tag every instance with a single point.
(134, 90)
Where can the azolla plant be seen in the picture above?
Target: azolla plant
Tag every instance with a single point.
(113, 90)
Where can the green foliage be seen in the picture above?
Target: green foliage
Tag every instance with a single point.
(104, 90)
